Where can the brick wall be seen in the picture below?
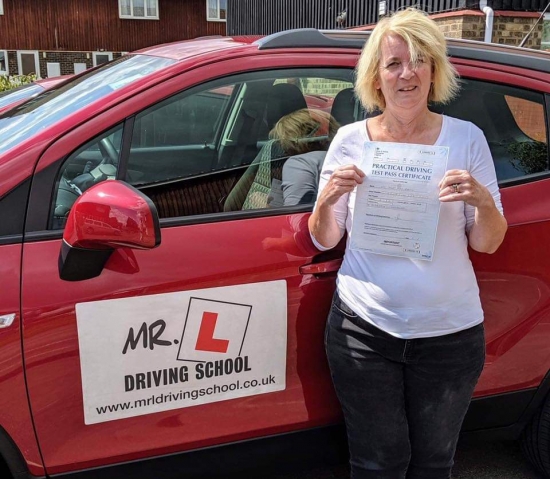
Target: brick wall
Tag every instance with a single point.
(469, 27)
(12, 63)
(508, 27)
(511, 31)
(65, 59)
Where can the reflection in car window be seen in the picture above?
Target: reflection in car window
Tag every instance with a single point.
(51, 106)
(18, 94)
(214, 149)
(513, 122)
(92, 163)
(175, 138)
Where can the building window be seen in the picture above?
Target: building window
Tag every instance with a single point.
(138, 9)
(79, 68)
(4, 69)
(101, 57)
(28, 63)
(216, 10)
(1, 7)
(545, 40)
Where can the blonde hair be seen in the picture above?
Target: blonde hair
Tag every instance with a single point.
(297, 128)
(424, 39)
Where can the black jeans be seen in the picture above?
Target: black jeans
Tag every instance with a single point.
(403, 400)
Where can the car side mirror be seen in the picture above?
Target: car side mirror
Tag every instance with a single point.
(109, 215)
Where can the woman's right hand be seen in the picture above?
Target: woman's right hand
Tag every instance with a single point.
(323, 224)
(343, 180)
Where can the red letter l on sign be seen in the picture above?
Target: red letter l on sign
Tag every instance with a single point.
(206, 340)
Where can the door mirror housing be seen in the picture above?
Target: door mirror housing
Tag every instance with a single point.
(109, 215)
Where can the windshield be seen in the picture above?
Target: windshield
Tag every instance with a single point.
(47, 108)
(18, 94)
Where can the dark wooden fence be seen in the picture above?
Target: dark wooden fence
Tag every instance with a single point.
(519, 5)
(252, 17)
(90, 25)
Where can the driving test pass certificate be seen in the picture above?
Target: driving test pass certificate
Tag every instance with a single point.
(397, 205)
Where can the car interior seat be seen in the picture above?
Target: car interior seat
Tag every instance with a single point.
(252, 190)
(345, 107)
(284, 98)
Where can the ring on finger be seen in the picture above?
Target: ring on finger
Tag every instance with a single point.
(455, 187)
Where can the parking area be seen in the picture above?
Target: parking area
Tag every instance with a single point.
(474, 460)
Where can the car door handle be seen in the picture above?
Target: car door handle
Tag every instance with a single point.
(324, 267)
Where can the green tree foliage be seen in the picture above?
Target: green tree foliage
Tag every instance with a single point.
(529, 156)
(9, 82)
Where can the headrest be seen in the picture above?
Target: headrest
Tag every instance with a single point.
(344, 107)
(284, 98)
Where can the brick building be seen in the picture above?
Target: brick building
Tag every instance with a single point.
(52, 37)
(509, 27)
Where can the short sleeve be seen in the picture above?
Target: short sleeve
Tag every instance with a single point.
(301, 178)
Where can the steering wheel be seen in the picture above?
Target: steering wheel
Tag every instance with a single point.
(67, 194)
(108, 152)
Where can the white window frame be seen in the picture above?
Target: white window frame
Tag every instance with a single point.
(1, 7)
(134, 17)
(215, 19)
(95, 54)
(36, 62)
(80, 69)
(5, 52)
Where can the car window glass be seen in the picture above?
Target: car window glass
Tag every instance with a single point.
(49, 107)
(19, 94)
(223, 147)
(513, 122)
(92, 163)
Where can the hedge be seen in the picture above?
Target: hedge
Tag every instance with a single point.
(9, 82)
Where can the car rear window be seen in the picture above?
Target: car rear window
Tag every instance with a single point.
(39, 113)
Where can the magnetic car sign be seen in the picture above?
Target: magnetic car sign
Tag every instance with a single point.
(154, 353)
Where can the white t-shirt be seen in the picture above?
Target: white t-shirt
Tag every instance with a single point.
(411, 298)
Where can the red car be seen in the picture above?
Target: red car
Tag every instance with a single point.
(163, 308)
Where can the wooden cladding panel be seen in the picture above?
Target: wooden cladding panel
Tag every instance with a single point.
(90, 25)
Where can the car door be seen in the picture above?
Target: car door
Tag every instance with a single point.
(213, 337)
(510, 106)
(15, 415)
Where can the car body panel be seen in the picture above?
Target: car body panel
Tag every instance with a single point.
(52, 361)
(227, 264)
(515, 291)
(15, 415)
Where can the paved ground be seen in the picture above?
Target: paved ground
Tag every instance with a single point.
(480, 460)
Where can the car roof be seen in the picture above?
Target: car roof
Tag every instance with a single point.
(52, 81)
(467, 49)
(183, 50)
(311, 38)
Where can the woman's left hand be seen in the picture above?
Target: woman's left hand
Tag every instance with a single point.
(489, 227)
(460, 185)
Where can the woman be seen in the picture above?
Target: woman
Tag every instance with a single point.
(404, 338)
